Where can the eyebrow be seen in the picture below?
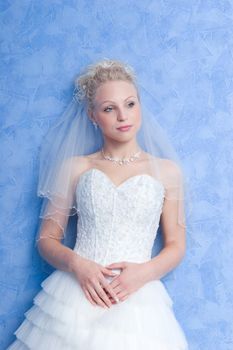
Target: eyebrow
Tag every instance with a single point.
(114, 102)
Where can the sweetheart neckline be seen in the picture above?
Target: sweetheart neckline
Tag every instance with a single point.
(123, 182)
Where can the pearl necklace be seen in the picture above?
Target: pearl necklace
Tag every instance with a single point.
(122, 161)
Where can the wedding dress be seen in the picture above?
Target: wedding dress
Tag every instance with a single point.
(115, 223)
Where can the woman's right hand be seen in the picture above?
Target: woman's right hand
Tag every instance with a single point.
(91, 278)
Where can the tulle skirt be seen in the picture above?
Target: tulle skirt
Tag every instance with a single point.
(62, 318)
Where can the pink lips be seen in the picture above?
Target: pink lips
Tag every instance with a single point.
(124, 128)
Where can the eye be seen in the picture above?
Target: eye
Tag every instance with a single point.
(108, 109)
(131, 104)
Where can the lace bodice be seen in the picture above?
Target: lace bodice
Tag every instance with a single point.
(117, 223)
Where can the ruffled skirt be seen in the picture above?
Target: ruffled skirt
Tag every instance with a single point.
(62, 318)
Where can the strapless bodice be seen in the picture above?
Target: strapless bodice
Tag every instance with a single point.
(117, 223)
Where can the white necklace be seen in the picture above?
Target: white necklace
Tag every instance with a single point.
(122, 161)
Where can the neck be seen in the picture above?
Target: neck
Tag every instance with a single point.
(120, 150)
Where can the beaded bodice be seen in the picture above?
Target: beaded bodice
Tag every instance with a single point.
(117, 223)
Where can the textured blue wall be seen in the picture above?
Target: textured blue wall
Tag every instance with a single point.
(182, 51)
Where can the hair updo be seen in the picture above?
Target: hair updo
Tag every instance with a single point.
(98, 73)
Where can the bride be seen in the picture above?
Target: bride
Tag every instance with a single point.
(106, 291)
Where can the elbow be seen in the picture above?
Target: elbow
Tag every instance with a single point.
(43, 246)
(179, 249)
(181, 245)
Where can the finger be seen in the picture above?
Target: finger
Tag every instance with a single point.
(115, 300)
(117, 290)
(96, 297)
(101, 292)
(110, 280)
(109, 272)
(125, 297)
(114, 282)
(116, 265)
(109, 290)
(89, 297)
(122, 294)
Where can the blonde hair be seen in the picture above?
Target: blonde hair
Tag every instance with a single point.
(98, 73)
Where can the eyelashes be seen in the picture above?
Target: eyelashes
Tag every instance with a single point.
(131, 104)
(110, 108)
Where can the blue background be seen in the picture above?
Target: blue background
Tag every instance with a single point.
(183, 54)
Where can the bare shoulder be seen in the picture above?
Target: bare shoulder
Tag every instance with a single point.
(82, 163)
(171, 166)
(88, 159)
(168, 166)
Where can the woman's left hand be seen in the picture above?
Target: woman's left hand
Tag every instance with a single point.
(131, 278)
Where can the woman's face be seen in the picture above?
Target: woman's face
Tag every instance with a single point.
(117, 110)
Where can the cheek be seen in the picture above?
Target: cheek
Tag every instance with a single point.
(105, 122)
(138, 117)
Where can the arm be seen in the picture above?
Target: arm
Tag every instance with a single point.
(90, 274)
(52, 250)
(174, 244)
(174, 234)
(49, 243)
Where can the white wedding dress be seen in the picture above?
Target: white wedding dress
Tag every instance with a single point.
(115, 223)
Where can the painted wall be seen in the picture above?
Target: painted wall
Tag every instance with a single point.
(182, 52)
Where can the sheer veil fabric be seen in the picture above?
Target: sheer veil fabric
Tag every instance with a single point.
(73, 137)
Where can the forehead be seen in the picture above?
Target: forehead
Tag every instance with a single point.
(115, 90)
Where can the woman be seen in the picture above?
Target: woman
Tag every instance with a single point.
(106, 291)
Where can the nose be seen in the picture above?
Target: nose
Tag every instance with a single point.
(121, 114)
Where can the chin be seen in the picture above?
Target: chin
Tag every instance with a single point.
(123, 138)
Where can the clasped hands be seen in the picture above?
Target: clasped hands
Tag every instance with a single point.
(129, 280)
(99, 291)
